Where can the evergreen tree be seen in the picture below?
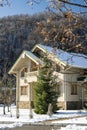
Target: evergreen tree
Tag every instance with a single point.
(45, 88)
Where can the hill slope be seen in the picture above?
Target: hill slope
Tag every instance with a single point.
(18, 33)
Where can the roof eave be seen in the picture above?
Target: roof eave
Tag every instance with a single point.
(37, 62)
(79, 67)
(11, 71)
(38, 46)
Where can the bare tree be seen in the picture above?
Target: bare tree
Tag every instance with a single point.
(61, 3)
(6, 88)
(71, 32)
(52, 3)
(4, 3)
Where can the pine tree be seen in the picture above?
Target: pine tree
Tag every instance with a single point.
(45, 88)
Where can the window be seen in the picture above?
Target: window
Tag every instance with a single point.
(58, 89)
(33, 66)
(74, 89)
(57, 68)
(24, 90)
(23, 72)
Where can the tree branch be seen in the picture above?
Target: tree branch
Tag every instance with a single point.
(74, 4)
(85, 2)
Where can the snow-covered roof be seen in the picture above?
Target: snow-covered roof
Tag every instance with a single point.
(34, 58)
(72, 59)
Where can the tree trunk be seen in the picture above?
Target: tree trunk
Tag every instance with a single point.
(4, 109)
(8, 109)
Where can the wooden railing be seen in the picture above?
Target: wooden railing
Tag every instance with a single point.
(32, 73)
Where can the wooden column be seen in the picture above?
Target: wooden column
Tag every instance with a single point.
(65, 92)
(17, 95)
(30, 105)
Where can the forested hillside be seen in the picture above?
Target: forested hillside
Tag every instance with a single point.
(16, 34)
(19, 33)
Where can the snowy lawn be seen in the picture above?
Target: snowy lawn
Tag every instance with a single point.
(6, 121)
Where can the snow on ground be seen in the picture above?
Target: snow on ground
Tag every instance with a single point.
(74, 127)
(74, 123)
(9, 120)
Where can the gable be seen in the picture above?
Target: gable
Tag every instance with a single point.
(23, 59)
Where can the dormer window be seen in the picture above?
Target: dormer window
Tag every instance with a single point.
(24, 70)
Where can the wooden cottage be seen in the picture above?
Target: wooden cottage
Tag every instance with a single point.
(71, 72)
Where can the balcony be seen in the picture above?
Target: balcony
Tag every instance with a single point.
(28, 78)
(33, 73)
(31, 76)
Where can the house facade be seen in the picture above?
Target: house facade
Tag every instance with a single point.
(71, 72)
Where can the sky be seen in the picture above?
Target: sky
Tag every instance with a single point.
(18, 7)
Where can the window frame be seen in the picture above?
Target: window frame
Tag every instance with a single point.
(74, 90)
(24, 90)
(23, 71)
(58, 89)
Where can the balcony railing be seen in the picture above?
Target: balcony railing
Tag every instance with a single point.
(32, 73)
(31, 76)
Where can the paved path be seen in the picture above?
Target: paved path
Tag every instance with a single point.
(35, 127)
(45, 125)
